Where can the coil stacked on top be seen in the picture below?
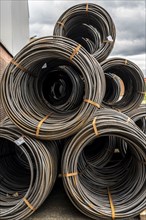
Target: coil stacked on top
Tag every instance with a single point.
(22, 91)
(28, 171)
(117, 189)
(91, 26)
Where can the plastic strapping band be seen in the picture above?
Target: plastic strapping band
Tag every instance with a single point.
(18, 65)
(75, 51)
(28, 204)
(128, 120)
(143, 213)
(87, 7)
(126, 62)
(111, 204)
(107, 41)
(61, 23)
(40, 124)
(92, 103)
(70, 174)
(94, 127)
(75, 180)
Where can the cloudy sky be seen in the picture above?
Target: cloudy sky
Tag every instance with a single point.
(128, 16)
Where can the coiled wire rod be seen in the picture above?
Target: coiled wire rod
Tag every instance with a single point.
(91, 26)
(139, 117)
(133, 80)
(22, 91)
(28, 170)
(116, 190)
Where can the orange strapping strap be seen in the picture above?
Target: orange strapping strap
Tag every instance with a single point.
(92, 103)
(111, 204)
(75, 51)
(28, 204)
(70, 174)
(40, 124)
(87, 7)
(126, 62)
(94, 127)
(61, 23)
(18, 65)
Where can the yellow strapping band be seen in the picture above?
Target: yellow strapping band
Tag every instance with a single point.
(111, 204)
(40, 124)
(87, 8)
(18, 65)
(70, 174)
(75, 180)
(94, 126)
(61, 23)
(126, 62)
(75, 51)
(28, 204)
(92, 103)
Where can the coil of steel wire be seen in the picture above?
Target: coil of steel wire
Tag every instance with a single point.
(91, 26)
(133, 80)
(139, 117)
(23, 86)
(116, 190)
(28, 170)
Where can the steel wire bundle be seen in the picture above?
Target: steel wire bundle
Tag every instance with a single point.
(139, 117)
(91, 26)
(22, 90)
(116, 189)
(28, 172)
(133, 80)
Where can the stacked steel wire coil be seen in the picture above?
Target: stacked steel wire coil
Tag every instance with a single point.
(113, 189)
(62, 88)
(28, 170)
(91, 26)
(28, 102)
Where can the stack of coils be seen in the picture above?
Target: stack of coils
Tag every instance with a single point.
(91, 26)
(117, 188)
(55, 88)
(28, 170)
(74, 79)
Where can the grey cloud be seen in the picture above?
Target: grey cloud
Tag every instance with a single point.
(129, 47)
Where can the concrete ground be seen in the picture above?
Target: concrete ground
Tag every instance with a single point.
(59, 207)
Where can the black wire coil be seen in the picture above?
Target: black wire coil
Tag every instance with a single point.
(27, 172)
(122, 180)
(139, 117)
(133, 80)
(91, 26)
(22, 91)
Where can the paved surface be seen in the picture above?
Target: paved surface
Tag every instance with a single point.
(58, 207)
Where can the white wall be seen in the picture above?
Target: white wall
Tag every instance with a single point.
(14, 24)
